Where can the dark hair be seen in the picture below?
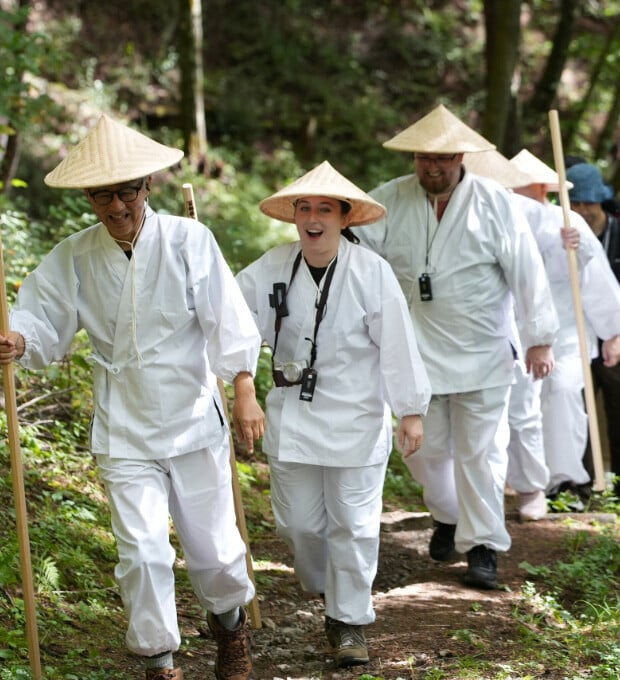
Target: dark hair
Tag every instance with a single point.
(349, 235)
(346, 232)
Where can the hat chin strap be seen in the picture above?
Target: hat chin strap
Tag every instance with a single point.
(132, 265)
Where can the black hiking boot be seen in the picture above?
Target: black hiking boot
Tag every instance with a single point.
(481, 568)
(441, 546)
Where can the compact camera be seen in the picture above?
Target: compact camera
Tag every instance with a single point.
(287, 373)
(426, 291)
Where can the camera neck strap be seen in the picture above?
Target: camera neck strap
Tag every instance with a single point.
(320, 307)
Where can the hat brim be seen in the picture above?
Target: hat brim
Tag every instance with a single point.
(324, 180)
(538, 171)
(493, 165)
(440, 131)
(110, 154)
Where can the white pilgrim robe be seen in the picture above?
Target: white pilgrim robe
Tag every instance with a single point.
(162, 326)
(564, 419)
(366, 356)
(480, 251)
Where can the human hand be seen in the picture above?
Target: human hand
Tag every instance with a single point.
(12, 346)
(611, 351)
(248, 416)
(570, 237)
(410, 434)
(539, 361)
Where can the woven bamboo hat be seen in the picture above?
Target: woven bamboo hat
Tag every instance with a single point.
(440, 131)
(496, 166)
(539, 172)
(324, 180)
(111, 153)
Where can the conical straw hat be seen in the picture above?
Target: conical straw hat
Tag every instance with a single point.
(440, 131)
(494, 165)
(324, 180)
(111, 153)
(539, 172)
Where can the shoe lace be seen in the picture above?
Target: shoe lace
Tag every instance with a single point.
(234, 649)
(162, 674)
(352, 636)
(481, 556)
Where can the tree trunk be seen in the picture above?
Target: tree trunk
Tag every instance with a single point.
(192, 86)
(606, 138)
(198, 152)
(186, 67)
(537, 109)
(607, 55)
(10, 159)
(502, 24)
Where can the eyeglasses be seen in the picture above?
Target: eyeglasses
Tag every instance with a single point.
(439, 158)
(125, 194)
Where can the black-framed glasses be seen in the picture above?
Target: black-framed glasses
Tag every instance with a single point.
(126, 194)
(438, 158)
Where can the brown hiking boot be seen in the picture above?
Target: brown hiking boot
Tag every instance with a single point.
(347, 641)
(164, 674)
(234, 654)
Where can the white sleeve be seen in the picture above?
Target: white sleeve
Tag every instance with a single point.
(404, 376)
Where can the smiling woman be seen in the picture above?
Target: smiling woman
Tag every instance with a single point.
(320, 221)
(342, 323)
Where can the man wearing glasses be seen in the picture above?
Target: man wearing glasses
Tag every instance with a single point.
(459, 251)
(164, 316)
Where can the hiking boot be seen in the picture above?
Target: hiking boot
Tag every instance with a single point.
(347, 641)
(481, 568)
(532, 506)
(164, 674)
(234, 654)
(441, 546)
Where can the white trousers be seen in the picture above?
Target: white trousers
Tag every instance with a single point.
(330, 518)
(195, 490)
(462, 465)
(565, 422)
(527, 467)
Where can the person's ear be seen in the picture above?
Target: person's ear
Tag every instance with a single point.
(345, 220)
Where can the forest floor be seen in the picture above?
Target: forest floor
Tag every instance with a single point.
(426, 619)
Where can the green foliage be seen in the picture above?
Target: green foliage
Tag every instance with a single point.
(363, 85)
(18, 253)
(229, 205)
(22, 58)
(299, 83)
(577, 607)
(400, 490)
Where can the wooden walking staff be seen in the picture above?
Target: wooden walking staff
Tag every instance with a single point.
(595, 441)
(19, 494)
(255, 617)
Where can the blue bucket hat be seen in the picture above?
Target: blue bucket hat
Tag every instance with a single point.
(588, 185)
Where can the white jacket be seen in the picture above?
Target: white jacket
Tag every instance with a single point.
(161, 325)
(599, 289)
(481, 250)
(366, 356)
